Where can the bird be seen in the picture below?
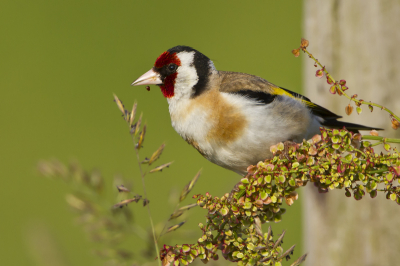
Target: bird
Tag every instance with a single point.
(232, 118)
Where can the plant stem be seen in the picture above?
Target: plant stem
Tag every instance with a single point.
(148, 205)
(381, 139)
(345, 94)
(166, 222)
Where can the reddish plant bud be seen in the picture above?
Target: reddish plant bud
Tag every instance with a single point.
(341, 168)
(371, 108)
(348, 109)
(395, 123)
(354, 96)
(342, 82)
(345, 88)
(296, 52)
(313, 150)
(289, 201)
(339, 92)
(316, 138)
(315, 65)
(396, 170)
(304, 43)
(332, 89)
(329, 80)
(374, 133)
(319, 73)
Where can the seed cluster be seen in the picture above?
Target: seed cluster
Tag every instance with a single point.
(336, 159)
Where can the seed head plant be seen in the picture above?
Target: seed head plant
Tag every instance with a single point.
(334, 159)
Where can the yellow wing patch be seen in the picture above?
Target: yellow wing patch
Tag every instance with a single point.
(308, 103)
(281, 91)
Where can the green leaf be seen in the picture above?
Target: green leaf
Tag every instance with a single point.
(389, 177)
(366, 143)
(185, 248)
(343, 133)
(244, 180)
(274, 199)
(263, 195)
(282, 178)
(336, 146)
(393, 196)
(250, 246)
(386, 147)
(247, 205)
(277, 218)
(335, 139)
(281, 146)
(374, 185)
(184, 262)
(224, 211)
(373, 193)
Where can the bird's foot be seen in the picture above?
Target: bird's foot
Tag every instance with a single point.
(287, 146)
(234, 191)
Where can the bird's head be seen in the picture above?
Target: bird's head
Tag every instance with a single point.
(180, 72)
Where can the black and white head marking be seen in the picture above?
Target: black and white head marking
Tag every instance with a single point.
(195, 66)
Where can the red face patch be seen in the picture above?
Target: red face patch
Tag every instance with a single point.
(167, 88)
(166, 58)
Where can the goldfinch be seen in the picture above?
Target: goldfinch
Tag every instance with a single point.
(232, 118)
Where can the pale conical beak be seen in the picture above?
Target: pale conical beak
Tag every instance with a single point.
(149, 78)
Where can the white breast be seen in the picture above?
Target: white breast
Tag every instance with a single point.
(283, 119)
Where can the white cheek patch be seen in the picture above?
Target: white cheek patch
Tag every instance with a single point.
(186, 58)
(187, 75)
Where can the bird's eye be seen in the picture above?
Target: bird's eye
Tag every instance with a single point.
(172, 67)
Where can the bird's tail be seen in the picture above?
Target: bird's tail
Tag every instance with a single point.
(333, 123)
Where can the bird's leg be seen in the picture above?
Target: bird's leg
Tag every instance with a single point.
(287, 145)
(234, 190)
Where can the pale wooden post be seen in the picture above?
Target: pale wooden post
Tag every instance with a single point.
(359, 41)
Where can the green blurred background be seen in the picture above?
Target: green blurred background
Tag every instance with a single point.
(61, 61)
